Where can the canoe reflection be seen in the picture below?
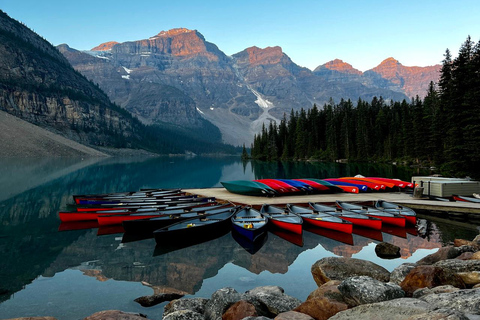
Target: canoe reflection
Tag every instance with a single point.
(368, 233)
(343, 237)
(295, 238)
(250, 246)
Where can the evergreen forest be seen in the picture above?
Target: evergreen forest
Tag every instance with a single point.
(441, 130)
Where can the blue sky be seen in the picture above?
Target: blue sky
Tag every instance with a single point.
(311, 33)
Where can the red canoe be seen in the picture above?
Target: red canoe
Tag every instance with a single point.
(322, 220)
(398, 183)
(316, 185)
(278, 186)
(371, 185)
(357, 219)
(282, 218)
(386, 217)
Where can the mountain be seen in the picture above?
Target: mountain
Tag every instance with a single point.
(411, 80)
(390, 74)
(39, 85)
(179, 78)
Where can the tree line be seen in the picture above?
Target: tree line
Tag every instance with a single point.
(443, 129)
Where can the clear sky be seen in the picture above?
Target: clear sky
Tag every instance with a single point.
(360, 32)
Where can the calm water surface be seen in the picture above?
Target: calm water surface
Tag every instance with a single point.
(71, 274)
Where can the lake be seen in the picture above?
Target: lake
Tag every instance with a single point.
(74, 273)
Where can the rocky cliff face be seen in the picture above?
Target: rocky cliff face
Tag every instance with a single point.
(173, 77)
(38, 84)
(389, 74)
(275, 76)
(411, 80)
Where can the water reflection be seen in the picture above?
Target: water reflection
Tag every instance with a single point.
(34, 246)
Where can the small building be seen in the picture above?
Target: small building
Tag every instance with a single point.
(446, 187)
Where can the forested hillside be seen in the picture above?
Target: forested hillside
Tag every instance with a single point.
(443, 129)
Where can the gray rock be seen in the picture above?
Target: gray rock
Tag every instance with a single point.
(220, 301)
(398, 309)
(399, 273)
(364, 290)
(440, 314)
(193, 304)
(116, 315)
(184, 315)
(339, 268)
(293, 315)
(443, 253)
(387, 250)
(466, 301)
(271, 300)
(440, 289)
(273, 290)
(149, 301)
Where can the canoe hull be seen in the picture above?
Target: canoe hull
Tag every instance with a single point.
(371, 223)
(337, 226)
(285, 225)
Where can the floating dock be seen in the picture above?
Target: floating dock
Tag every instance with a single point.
(457, 208)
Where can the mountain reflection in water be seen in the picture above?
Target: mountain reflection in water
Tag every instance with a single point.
(37, 253)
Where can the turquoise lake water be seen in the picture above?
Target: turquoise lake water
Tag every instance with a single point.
(73, 274)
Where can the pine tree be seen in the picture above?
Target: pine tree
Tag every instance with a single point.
(245, 155)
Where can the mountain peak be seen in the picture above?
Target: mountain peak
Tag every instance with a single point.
(173, 32)
(340, 66)
(104, 46)
(390, 61)
(268, 55)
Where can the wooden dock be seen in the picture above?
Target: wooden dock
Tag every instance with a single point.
(401, 198)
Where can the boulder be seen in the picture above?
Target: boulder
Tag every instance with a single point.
(340, 268)
(400, 272)
(398, 309)
(328, 290)
(443, 253)
(440, 314)
(468, 270)
(466, 301)
(465, 256)
(387, 250)
(240, 310)
(364, 290)
(462, 242)
(293, 315)
(115, 315)
(271, 300)
(429, 277)
(149, 301)
(220, 301)
(193, 304)
(184, 315)
(321, 308)
(475, 256)
(440, 289)
(257, 318)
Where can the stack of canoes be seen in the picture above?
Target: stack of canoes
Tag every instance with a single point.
(278, 187)
(171, 215)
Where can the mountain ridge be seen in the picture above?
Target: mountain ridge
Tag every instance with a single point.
(236, 93)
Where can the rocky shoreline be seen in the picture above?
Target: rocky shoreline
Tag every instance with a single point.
(443, 285)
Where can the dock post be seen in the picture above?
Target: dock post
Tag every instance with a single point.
(418, 193)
